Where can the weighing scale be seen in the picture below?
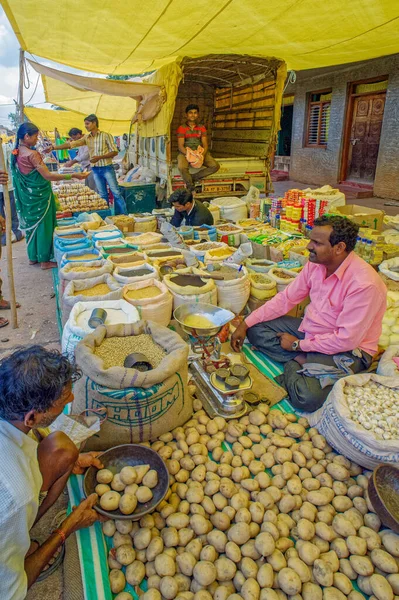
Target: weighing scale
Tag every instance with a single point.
(206, 346)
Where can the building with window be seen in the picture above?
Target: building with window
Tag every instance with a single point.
(340, 125)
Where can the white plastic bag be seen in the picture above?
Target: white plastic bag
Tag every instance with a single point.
(350, 439)
(231, 208)
(118, 311)
(253, 195)
(386, 366)
(386, 268)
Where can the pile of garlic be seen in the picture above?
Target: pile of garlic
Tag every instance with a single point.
(374, 407)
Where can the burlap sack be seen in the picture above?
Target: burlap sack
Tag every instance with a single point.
(71, 294)
(140, 406)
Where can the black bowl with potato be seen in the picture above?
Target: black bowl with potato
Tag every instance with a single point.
(130, 455)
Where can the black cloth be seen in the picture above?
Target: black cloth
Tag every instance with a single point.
(200, 215)
(305, 392)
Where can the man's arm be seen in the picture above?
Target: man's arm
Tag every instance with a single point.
(177, 219)
(361, 309)
(181, 146)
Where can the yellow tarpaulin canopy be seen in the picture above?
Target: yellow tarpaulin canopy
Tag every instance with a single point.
(64, 120)
(131, 36)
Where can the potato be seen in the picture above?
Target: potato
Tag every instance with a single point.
(117, 581)
(307, 552)
(165, 565)
(204, 572)
(233, 552)
(332, 593)
(178, 520)
(185, 536)
(265, 576)
(102, 488)
(155, 547)
(340, 548)
(346, 568)
(117, 483)
(208, 552)
(168, 588)
(289, 581)
(120, 538)
(373, 521)
(320, 497)
(218, 539)
(342, 526)
(323, 573)
(128, 475)
(109, 528)
(150, 479)
(225, 569)
(250, 590)
(356, 545)
(124, 596)
(372, 538)
(220, 520)
(125, 554)
(394, 581)
(104, 476)
(195, 495)
(277, 560)
(381, 588)
(239, 533)
(312, 591)
(390, 541)
(265, 544)
(127, 504)
(141, 470)
(143, 494)
(110, 500)
(343, 583)
(362, 565)
(306, 529)
(384, 561)
(142, 538)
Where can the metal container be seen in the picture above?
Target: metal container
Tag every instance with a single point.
(217, 316)
(97, 317)
(138, 361)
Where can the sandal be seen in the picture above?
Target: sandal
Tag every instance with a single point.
(7, 305)
(3, 322)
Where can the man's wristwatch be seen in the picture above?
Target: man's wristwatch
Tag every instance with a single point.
(295, 345)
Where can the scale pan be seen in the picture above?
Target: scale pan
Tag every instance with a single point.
(214, 314)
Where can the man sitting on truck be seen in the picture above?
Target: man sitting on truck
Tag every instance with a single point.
(342, 323)
(193, 212)
(193, 136)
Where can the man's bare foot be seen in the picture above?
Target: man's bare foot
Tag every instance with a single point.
(300, 359)
(5, 305)
(48, 265)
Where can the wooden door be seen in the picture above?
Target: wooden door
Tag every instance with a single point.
(364, 142)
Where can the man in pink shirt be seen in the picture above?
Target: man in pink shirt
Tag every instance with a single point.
(343, 320)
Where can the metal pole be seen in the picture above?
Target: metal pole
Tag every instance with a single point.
(10, 270)
(21, 86)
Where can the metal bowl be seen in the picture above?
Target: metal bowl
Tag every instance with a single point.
(130, 455)
(383, 490)
(218, 316)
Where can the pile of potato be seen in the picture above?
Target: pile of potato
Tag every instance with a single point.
(129, 487)
(229, 530)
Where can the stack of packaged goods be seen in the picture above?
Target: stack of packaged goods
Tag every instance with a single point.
(77, 197)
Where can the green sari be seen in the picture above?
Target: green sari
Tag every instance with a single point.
(35, 202)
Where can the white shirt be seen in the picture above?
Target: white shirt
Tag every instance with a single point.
(83, 157)
(20, 484)
(7, 157)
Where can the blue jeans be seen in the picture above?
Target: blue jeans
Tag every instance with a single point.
(104, 175)
(14, 218)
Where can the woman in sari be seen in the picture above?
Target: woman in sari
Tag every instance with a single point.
(35, 199)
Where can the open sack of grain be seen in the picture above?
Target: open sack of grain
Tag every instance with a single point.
(360, 419)
(135, 274)
(77, 326)
(233, 291)
(152, 299)
(94, 289)
(77, 271)
(140, 406)
(190, 289)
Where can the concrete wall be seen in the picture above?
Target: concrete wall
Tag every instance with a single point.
(322, 165)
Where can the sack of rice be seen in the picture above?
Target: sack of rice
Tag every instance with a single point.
(140, 406)
(262, 286)
(135, 274)
(82, 270)
(77, 326)
(190, 289)
(152, 299)
(94, 289)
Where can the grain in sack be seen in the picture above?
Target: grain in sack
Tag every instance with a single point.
(188, 289)
(77, 326)
(76, 271)
(152, 299)
(232, 292)
(262, 286)
(82, 291)
(140, 406)
(282, 277)
(135, 274)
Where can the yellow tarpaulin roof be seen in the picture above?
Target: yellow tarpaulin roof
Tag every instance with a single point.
(64, 120)
(131, 36)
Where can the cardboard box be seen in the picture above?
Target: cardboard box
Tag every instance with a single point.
(362, 215)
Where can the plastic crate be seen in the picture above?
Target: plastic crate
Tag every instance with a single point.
(139, 198)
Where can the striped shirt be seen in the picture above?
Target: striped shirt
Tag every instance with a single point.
(192, 136)
(98, 144)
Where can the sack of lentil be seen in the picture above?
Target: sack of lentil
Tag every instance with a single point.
(62, 246)
(152, 299)
(233, 290)
(140, 406)
(135, 274)
(282, 277)
(128, 260)
(190, 289)
(218, 254)
(94, 289)
(375, 441)
(262, 286)
(77, 326)
(85, 255)
(75, 271)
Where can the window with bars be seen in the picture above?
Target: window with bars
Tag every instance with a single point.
(318, 119)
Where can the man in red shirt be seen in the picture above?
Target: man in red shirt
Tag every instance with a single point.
(191, 135)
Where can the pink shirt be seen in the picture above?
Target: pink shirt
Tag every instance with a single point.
(345, 310)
